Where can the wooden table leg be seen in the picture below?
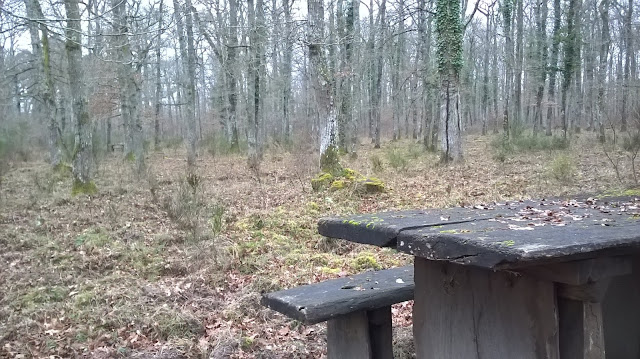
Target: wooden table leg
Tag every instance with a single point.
(469, 313)
(581, 330)
(361, 335)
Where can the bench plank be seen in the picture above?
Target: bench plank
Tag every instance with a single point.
(319, 302)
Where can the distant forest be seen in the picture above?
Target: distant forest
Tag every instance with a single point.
(76, 78)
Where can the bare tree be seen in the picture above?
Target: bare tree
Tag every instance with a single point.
(188, 56)
(82, 156)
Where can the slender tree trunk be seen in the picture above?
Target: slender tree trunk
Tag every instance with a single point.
(517, 113)
(346, 84)
(541, 37)
(255, 75)
(507, 11)
(286, 70)
(628, 55)
(187, 53)
(232, 77)
(158, 92)
(82, 154)
(129, 76)
(605, 40)
(397, 95)
(553, 63)
(372, 72)
(46, 89)
(377, 105)
(485, 79)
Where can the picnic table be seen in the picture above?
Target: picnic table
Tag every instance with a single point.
(528, 279)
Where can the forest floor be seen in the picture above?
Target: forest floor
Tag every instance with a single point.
(155, 267)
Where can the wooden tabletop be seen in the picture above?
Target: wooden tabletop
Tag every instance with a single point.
(501, 236)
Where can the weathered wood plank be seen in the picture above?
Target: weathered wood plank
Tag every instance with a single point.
(581, 329)
(322, 301)
(381, 333)
(590, 292)
(621, 316)
(511, 236)
(348, 337)
(582, 272)
(495, 245)
(467, 313)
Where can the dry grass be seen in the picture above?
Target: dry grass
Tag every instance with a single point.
(131, 272)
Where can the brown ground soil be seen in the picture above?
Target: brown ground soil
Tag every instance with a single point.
(141, 270)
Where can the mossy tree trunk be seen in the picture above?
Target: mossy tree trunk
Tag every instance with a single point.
(82, 154)
(605, 41)
(322, 83)
(449, 50)
(46, 90)
(507, 11)
(571, 51)
(129, 77)
(541, 14)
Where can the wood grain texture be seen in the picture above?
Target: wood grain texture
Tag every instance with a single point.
(621, 316)
(581, 329)
(470, 313)
(381, 333)
(348, 337)
(322, 301)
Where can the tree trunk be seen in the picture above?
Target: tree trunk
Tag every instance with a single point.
(129, 76)
(321, 82)
(570, 51)
(82, 154)
(286, 71)
(377, 105)
(46, 88)
(346, 84)
(628, 56)
(507, 11)
(517, 112)
(541, 40)
(187, 53)
(232, 77)
(449, 32)
(255, 76)
(605, 40)
(158, 92)
(553, 63)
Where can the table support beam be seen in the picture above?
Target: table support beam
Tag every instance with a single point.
(361, 335)
(466, 313)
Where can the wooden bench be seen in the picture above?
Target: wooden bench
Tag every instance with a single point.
(357, 308)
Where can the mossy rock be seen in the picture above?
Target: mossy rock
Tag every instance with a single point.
(323, 180)
(338, 185)
(79, 187)
(347, 178)
(364, 261)
(371, 185)
(330, 161)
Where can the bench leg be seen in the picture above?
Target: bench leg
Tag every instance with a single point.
(581, 332)
(361, 335)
